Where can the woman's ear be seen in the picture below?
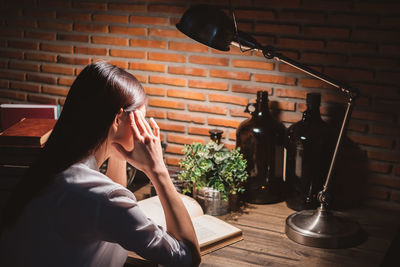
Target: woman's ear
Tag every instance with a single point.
(118, 117)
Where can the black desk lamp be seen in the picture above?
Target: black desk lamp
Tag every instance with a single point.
(317, 228)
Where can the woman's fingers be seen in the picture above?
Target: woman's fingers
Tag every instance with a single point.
(145, 124)
(141, 127)
(156, 129)
(134, 126)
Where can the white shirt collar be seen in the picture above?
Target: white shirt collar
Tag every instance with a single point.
(91, 162)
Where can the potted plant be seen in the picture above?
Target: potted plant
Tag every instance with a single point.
(211, 168)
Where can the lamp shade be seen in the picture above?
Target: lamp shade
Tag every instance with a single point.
(207, 25)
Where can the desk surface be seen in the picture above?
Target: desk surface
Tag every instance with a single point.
(265, 242)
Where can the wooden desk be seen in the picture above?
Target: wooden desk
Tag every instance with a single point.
(265, 242)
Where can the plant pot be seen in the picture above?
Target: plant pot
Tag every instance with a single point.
(211, 202)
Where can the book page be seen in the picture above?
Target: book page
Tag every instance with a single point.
(212, 233)
(210, 229)
(153, 209)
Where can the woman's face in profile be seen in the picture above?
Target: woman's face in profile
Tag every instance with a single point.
(124, 134)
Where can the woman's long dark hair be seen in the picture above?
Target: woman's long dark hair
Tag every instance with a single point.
(95, 98)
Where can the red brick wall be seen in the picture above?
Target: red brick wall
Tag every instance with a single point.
(192, 88)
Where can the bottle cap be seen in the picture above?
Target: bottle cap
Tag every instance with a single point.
(215, 134)
(313, 99)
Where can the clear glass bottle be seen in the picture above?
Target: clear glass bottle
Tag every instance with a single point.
(308, 154)
(261, 139)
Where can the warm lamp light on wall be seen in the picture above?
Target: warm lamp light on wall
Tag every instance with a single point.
(318, 228)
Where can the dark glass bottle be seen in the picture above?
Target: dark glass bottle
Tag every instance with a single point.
(308, 154)
(215, 135)
(260, 139)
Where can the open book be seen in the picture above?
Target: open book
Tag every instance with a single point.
(212, 233)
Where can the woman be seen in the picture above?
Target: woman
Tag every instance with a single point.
(64, 212)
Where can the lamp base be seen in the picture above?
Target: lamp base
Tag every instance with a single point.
(323, 229)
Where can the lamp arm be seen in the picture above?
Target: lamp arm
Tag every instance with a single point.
(270, 53)
(352, 93)
(323, 197)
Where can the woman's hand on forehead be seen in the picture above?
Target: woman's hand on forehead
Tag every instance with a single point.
(147, 153)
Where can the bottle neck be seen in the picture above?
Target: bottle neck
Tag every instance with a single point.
(312, 113)
(215, 135)
(216, 139)
(262, 108)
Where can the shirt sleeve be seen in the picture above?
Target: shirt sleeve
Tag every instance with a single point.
(90, 207)
(120, 220)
